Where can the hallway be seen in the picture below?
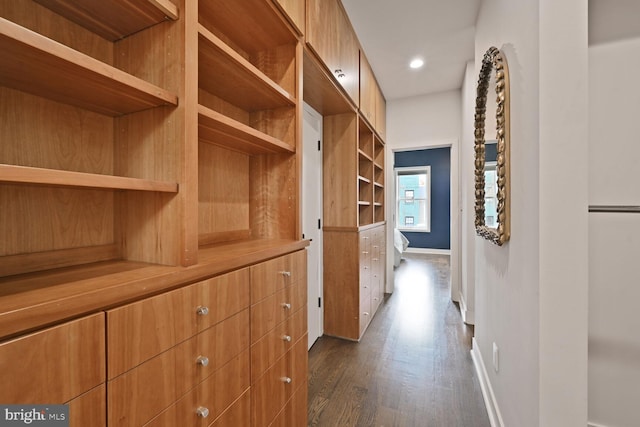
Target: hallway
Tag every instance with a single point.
(412, 366)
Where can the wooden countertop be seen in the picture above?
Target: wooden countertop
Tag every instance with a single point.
(34, 300)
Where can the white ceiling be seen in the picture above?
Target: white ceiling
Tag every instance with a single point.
(393, 32)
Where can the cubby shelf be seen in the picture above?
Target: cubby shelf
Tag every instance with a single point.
(236, 79)
(114, 19)
(12, 174)
(218, 129)
(364, 179)
(364, 155)
(44, 67)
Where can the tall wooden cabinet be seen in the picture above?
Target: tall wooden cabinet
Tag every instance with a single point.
(150, 163)
(354, 126)
(354, 224)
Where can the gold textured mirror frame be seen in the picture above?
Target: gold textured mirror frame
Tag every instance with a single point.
(493, 59)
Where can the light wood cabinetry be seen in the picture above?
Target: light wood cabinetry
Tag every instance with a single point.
(295, 11)
(150, 156)
(62, 364)
(354, 279)
(278, 339)
(372, 103)
(331, 36)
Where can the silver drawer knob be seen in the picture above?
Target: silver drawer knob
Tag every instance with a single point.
(365, 313)
(286, 306)
(286, 273)
(286, 338)
(286, 380)
(202, 360)
(202, 311)
(202, 412)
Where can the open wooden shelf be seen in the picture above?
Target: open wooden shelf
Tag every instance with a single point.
(218, 129)
(114, 19)
(235, 79)
(364, 203)
(364, 156)
(39, 176)
(379, 185)
(261, 29)
(364, 179)
(41, 66)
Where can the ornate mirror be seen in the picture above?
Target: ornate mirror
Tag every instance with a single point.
(492, 178)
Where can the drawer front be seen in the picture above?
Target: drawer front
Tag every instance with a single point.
(140, 331)
(90, 409)
(238, 414)
(273, 310)
(140, 394)
(295, 412)
(365, 310)
(277, 342)
(270, 393)
(204, 404)
(271, 276)
(54, 365)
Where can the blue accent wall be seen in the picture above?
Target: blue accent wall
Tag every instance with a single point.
(490, 151)
(440, 161)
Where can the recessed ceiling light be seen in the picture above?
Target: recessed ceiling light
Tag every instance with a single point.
(416, 63)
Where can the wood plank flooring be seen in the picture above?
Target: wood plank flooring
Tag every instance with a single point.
(411, 368)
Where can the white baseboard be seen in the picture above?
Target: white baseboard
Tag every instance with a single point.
(428, 251)
(495, 418)
(595, 425)
(468, 316)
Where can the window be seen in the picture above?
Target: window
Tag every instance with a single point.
(413, 193)
(490, 195)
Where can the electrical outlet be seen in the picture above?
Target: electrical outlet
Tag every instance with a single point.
(496, 358)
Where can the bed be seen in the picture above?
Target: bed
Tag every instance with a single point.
(400, 244)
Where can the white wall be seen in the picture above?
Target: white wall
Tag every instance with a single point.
(423, 122)
(467, 212)
(614, 239)
(531, 294)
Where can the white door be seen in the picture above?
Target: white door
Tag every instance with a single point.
(312, 217)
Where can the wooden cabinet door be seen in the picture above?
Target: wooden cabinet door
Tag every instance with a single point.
(381, 114)
(294, 9)
(348, 71)
(368, 91)
(332, 37)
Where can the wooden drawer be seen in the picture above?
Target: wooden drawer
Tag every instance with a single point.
(89, 409)
(272, 310)
(277, 342)
(295, 411)
(365, 310)
(271, 391)
(54, 365)
(140, 394)
(236, 415)
(140, 331)
(270, 276)
(211, 397)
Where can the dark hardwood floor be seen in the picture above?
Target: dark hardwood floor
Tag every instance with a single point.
(412, 367)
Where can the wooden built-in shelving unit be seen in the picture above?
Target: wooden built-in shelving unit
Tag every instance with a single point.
(140, 137)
